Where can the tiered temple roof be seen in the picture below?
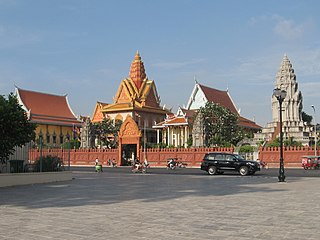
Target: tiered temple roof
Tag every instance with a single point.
(136, 93)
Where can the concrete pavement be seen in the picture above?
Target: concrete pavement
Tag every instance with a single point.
(117, 204)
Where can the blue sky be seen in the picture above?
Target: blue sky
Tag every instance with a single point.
(85, 48)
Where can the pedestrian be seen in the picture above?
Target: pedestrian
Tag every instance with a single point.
(97, 161)
(114, 163)
(145, 162)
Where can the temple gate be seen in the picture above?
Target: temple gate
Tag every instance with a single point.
(129, 142)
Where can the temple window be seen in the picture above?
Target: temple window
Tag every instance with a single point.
(61, 139)
(48, 138)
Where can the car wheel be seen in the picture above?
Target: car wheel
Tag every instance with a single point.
(243, 171)
(212, 170)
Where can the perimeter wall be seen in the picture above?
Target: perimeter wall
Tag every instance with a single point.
(158, 157)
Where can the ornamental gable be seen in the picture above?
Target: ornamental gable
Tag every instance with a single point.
(152, 100)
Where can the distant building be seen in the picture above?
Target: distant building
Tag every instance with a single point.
(292, 123)
(55, 120)
(177, 129)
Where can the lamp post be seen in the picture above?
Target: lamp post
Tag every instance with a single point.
(40, 143)
(280, 95)
(69, 146)
(145, 139)
(315, 131)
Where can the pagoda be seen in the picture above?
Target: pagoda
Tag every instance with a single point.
(293, 126)
(136, 97)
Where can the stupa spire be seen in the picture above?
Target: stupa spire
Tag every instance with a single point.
(137, 71)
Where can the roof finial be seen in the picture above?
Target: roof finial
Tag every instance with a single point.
(137, 57)
(195, 79)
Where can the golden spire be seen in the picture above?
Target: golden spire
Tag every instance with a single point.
(137, 57)
(137, 71)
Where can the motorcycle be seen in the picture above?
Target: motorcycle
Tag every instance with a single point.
(99, 168)
(139, 168)
(310, 162)
(172, 164)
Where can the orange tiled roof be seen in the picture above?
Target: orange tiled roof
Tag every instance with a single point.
(177, 121)
(244, 122)
(173, 119)
(189, 113)
(47, 108)
(219, 97)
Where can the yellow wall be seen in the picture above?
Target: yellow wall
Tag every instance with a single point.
(51, 129)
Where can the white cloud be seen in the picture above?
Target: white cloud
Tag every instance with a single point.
(287, 28)
(308, 63)
(283, 27)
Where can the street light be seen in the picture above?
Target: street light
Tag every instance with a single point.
(145, 139)
(280, 95)
(315, 131)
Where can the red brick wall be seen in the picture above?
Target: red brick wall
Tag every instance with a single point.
(291, 155)
(158, 157)
(83, 157)
(191, 156)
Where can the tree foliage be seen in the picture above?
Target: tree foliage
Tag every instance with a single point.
(220, 125)
(290, 142)
(246, 149)
(15, 129)
(49, 164)
(306, 118)
(107, 132)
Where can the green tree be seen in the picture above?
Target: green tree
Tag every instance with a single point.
(290, 142)
(107, 132)
(221, 125)
(15, 129)
(246, 149)
(49, 164)
(306, 118)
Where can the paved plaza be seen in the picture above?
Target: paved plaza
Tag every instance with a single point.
(118, 204)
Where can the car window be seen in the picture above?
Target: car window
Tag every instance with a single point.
(219, 157)
(238, 157)
(210, 157)
(229, 157)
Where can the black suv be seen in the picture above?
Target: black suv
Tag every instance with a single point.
(218, 162)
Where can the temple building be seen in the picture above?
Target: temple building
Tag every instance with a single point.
(292, 124)
(177, 130)
(56, 122)
(138, 98)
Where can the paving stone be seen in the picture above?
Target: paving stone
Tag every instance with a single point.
(119, 205)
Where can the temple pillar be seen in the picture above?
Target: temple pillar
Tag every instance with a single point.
(158, 136)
